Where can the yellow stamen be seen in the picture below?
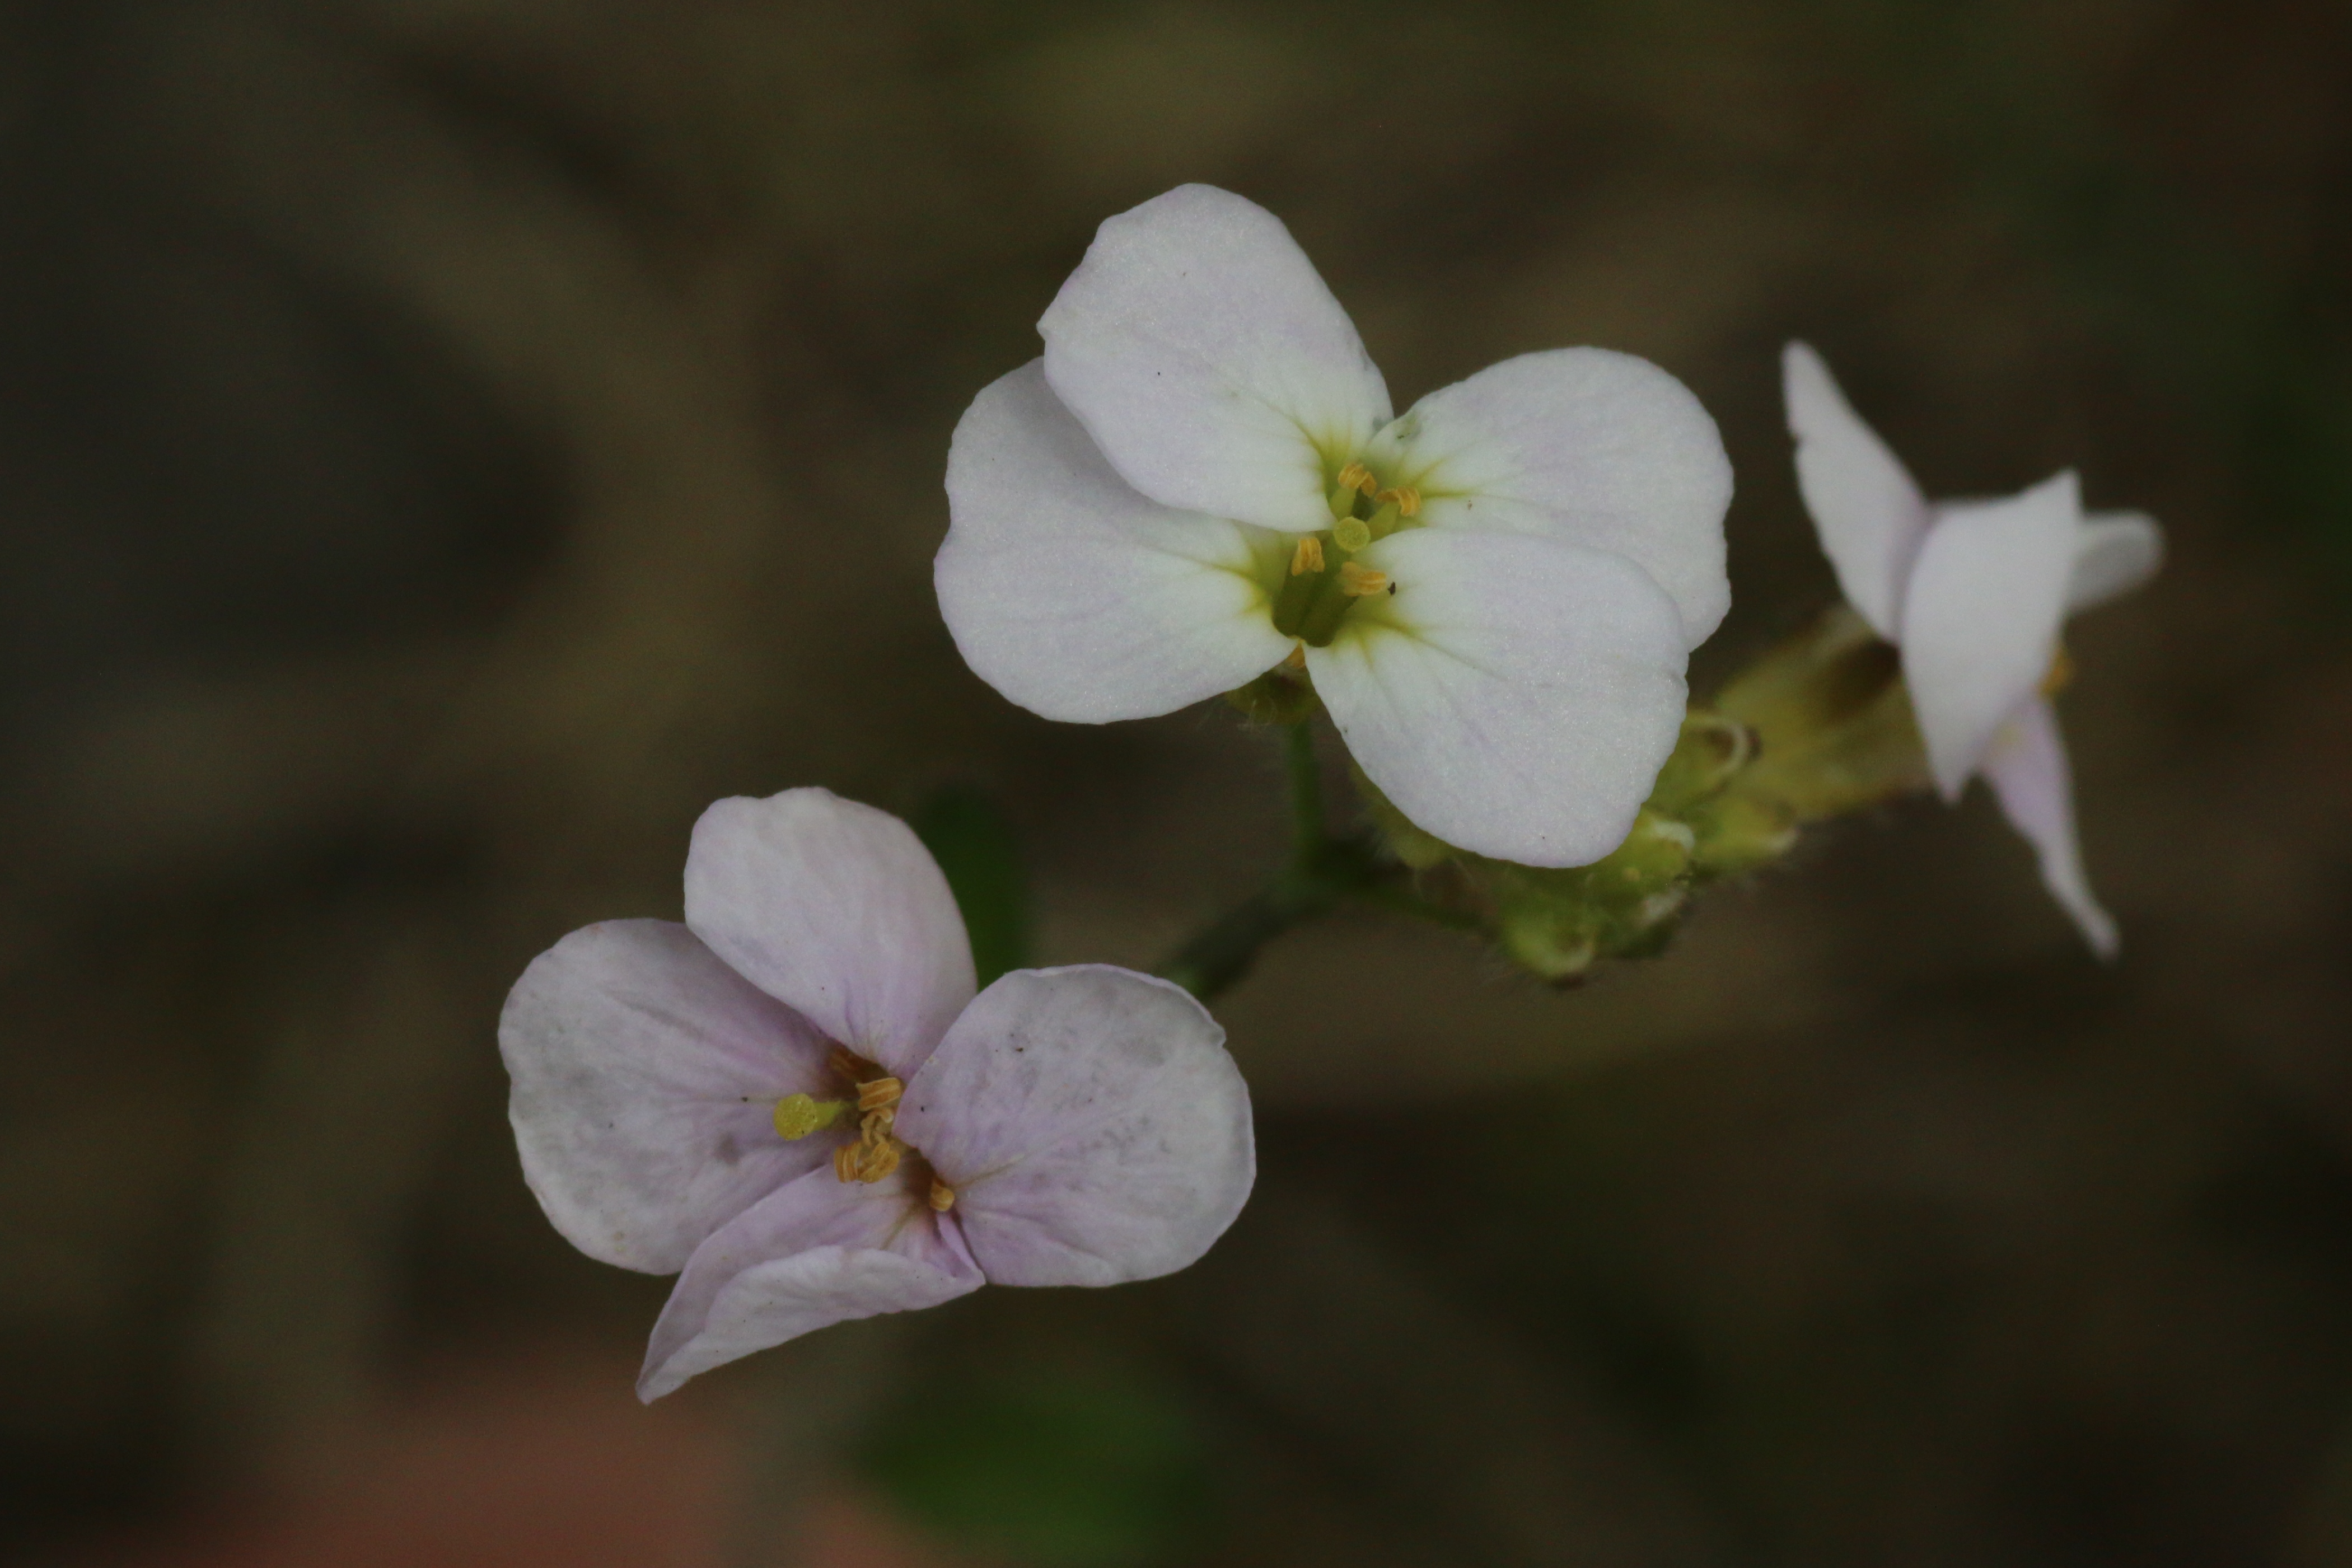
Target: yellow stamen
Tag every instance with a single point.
(1356, 477)
(845, 1162)
(877, 1161)
(879, 1093)
(1358, 582)
(942, 1195)
(2059, 675)
(1407, 499)
(1308, 557)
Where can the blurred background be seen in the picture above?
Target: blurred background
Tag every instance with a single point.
(448, 443)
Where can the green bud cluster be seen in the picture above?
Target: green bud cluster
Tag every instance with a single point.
(1818, 727)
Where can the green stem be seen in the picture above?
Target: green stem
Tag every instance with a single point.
(1223, 951)
(1322, 872)
(1307, 831)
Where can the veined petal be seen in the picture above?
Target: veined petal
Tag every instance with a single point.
(1091, 1124)
(816, 1253)
(1869, 513)
(838, 911)
(1980, 621)
(644, 1075)
(2028, 770)
(1516, 695)
(1076, 596)
(1202, 352)
(1589, 445)
(2114, 552)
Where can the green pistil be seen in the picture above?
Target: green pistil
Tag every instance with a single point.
(1311, 605)
(798, 1115)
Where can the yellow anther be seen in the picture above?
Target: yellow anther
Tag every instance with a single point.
(879, 1093)
(942, 1195)
(1308, 557)
(1356, 477)
(2059, 675)
(845, 1162)
(1357, 582)
(1352, 533)
(1407, 499)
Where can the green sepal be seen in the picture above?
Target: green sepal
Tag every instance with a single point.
(1556, 922)
(1281, 696)
(1833, 719)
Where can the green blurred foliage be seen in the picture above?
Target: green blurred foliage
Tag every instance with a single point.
(979, 851)
(1104, 1467)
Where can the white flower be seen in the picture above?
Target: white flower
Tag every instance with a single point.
(1496, 595)
(1974, 593)
(795, 1099)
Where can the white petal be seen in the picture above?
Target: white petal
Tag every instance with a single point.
(1201, 350)
(1870, 515)
(1589, 445)
(1515, 697)
(839, 909)
(2114, 552)
(817, 1252)
(1073, 595)
(2028, 770)
(1091, 1124)
(1980, 621)
(645, 1073)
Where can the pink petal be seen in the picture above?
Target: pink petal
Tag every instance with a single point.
(645, 1073)
(816, 1253)
(2028, 770)
(1869, 514)
(836, 909)
(1091, 1124)
(1073, 594)
(1586, 446)
(2115, 553)
(1981, 623)
(1515, 696)
(1205, 356)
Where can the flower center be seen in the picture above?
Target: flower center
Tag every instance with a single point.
(873, 1103)
(1318, 590)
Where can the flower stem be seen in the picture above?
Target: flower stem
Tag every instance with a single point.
(1321, 872)
(1223, 951)
(1308, 833)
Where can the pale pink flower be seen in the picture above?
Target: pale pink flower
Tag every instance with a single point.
(1974, 593)
(1071, 1126)
(1507, 578)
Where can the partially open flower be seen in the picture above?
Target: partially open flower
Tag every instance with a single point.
(796, 1098)
(1974, 593)
(1495, 595)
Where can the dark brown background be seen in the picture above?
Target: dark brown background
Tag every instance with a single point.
(447, 443)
